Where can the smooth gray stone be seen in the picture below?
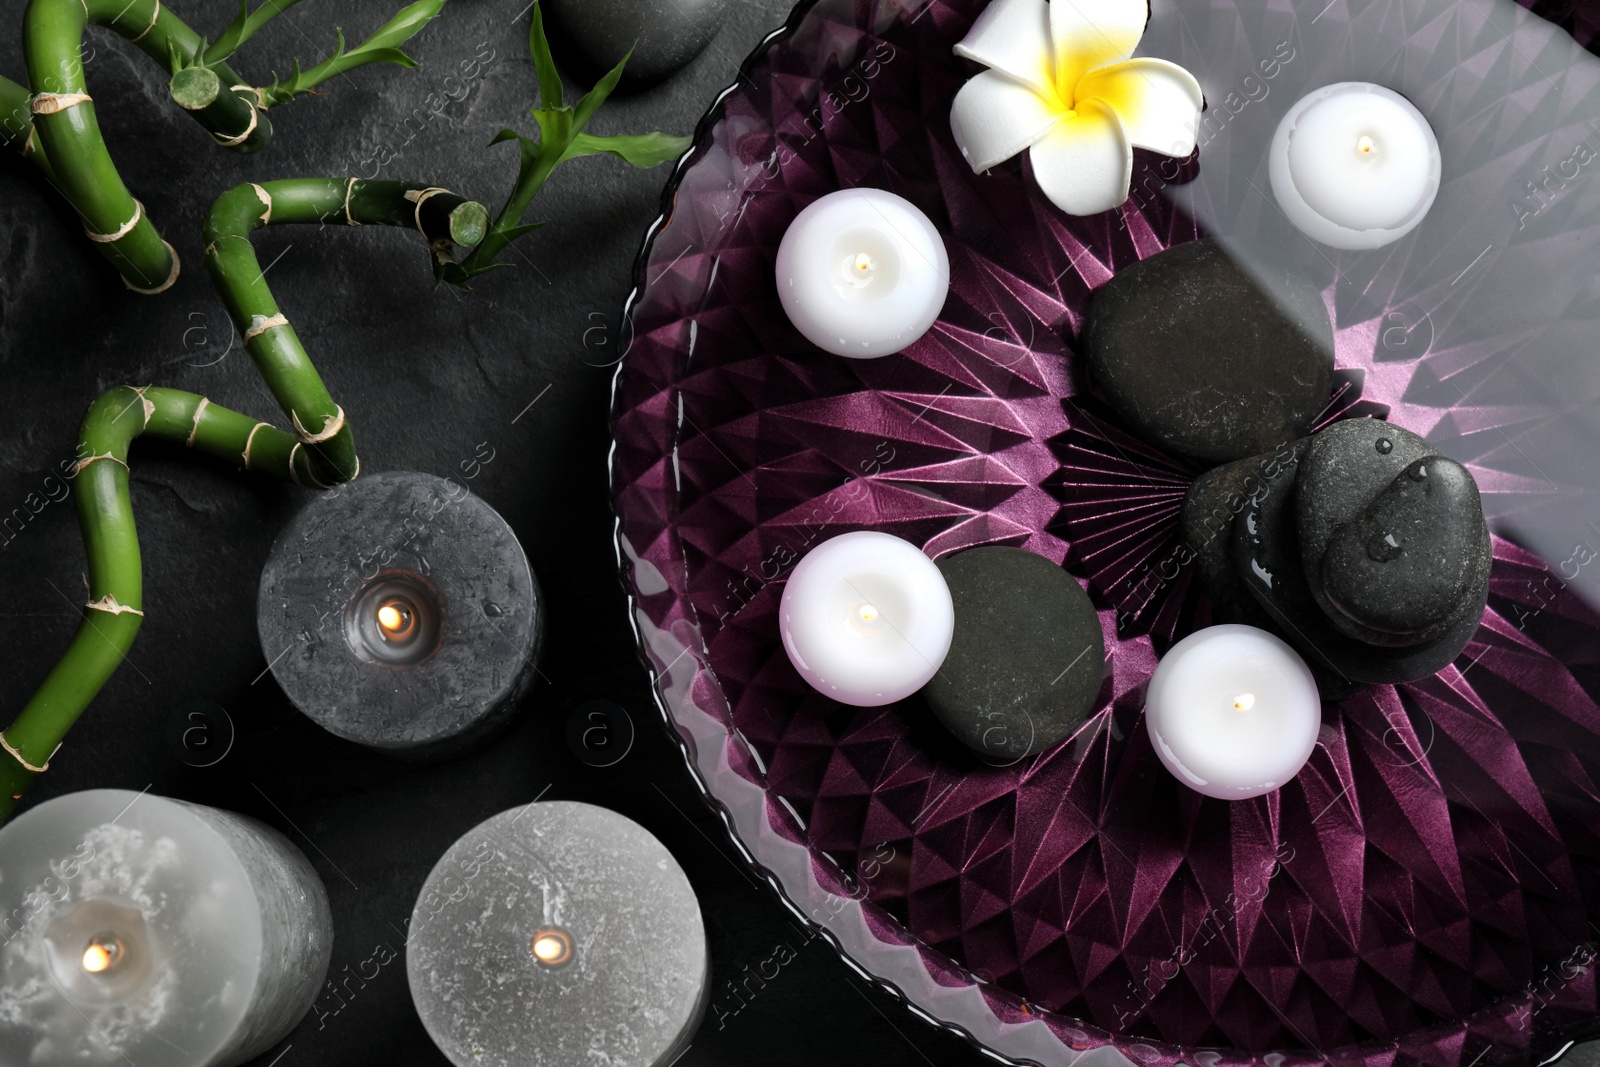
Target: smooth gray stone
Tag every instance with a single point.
(1415, 559)
(1202, 359)
(1267, 557)
(1349, 464)
(402, 526)
(1213, 501)
(1027, 657)
(664, 34)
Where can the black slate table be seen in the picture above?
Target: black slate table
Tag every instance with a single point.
(431, 380)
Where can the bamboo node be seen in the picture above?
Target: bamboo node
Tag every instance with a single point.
(122, 231)
(52, 103)
(149, 405)
(199, 409)
(30, 147)
(256, 91)
(250, 440)
(234, 142)
(83, 464)
(172, 275)
(420, 197)
(260, 324)
(266, 202)
(109, 605)
(20, 758)
(294, 475)
(330, 427)
(155, 13)
(349, 188)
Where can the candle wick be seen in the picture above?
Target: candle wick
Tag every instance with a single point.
(1245, 702)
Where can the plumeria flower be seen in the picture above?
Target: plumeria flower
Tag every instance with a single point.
(1061, 84)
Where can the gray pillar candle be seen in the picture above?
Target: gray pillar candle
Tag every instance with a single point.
(137, 931)
(556, 934)
(398, 611)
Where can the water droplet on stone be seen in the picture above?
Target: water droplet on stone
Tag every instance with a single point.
(1383, 549)
(1384, 446)
(1418, 472)
(494, 611)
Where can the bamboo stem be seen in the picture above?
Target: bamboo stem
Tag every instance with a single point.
(116, 603)
(16, 125)
(439, 215)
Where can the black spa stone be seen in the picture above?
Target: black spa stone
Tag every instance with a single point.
(1206, 361)
(1209, 507)
(1267, 556)
(1027, 657)
(466, 630)
(664, 34)
(1415, 559)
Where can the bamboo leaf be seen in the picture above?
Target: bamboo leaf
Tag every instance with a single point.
(404, 26)
(643, 150)
(381, 47)
(550, 92)
(598, 95)
(244, 26)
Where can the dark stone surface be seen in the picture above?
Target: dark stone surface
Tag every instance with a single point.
(482, 635)
(1202, 359)
(426, 377)
(1416, 558)
(1267, 555)
(1349, 464)
(1209, 507)
(664, 34)
(1027, 657)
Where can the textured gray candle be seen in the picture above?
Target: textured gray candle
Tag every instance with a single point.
(137, 931)
(398, 611)
(558, 934)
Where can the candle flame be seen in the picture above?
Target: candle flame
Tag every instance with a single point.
(552, 946)
(1366, 145)
(867, 613)
(1245, 702)
(103, 953)
(862, 263)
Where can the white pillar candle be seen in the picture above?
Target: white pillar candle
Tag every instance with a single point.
(1354, 165)
(145, 932)
(557, 934)
(862, 273)
(1233, 711)
(866, 618)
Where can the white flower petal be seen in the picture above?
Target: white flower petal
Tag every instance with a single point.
(1158, 102)
(1085, 163)
(1013, 37)
(995, 116)
(1091, 33)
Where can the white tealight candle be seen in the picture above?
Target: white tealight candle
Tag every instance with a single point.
(866, 618)
(144, 932)
(1354, 165)
(862, 273)
(1233, 711)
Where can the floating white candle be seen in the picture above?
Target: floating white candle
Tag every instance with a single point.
(145, 932)
(866, 618)
(558, 934)
(862, 273)
(1233, 712)
(1354, 165)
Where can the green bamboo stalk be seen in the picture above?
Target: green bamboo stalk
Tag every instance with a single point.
(116, 599)
(16, 125)
(67, 130)
(439, 215)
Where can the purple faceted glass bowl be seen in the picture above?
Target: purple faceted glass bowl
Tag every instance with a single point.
(1427, 890)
